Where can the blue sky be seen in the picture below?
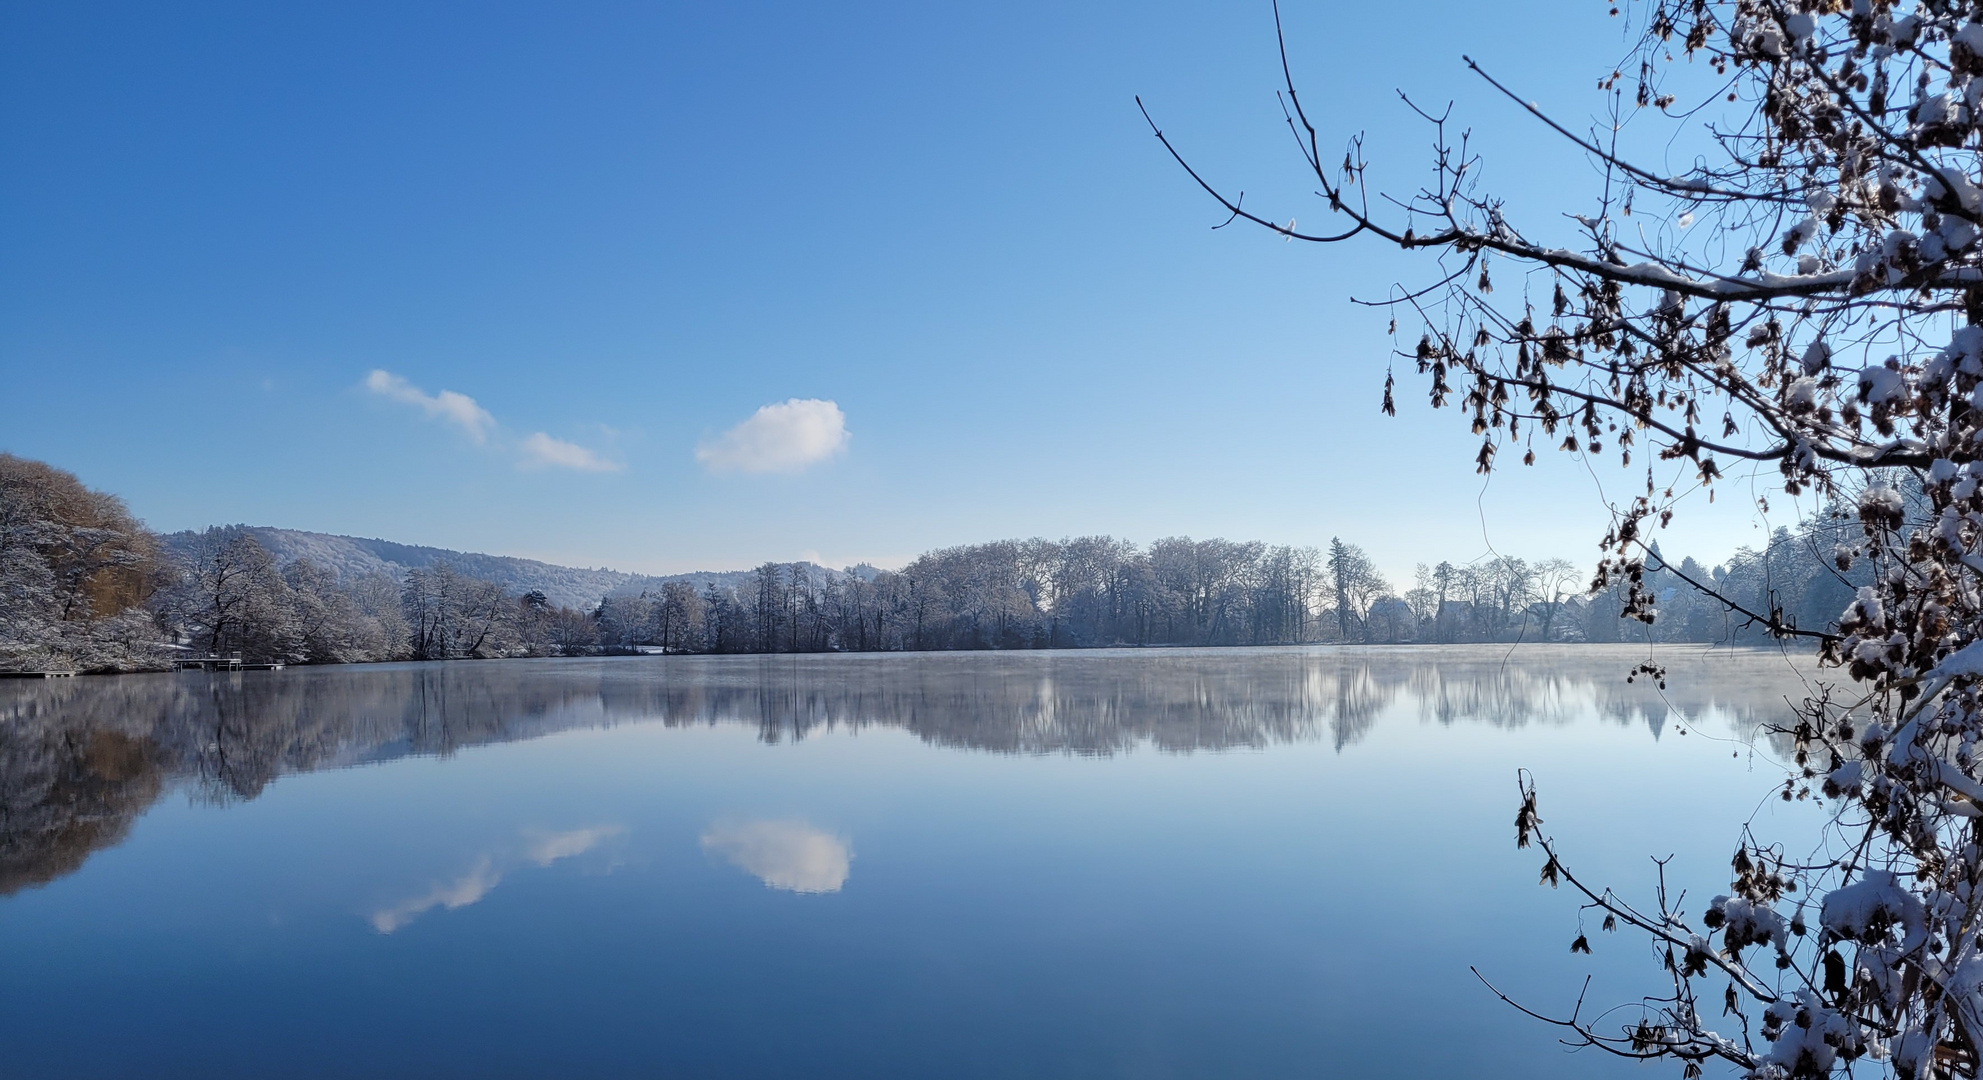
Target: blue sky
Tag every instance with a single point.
(624, 230)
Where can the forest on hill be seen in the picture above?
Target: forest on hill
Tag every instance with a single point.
(85, 586)
(352, 558)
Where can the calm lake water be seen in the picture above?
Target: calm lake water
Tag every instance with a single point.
(1116, 863)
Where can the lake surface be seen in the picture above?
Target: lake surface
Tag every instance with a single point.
(1167, 863)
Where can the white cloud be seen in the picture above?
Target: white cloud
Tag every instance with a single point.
(458, 409)
(789, 855)
(786, 437)
(542, 451)
(548, 847)
(459, 893)
(538, 451)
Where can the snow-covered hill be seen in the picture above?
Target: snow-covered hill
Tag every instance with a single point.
(354, 557)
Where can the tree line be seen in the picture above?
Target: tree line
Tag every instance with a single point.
(87, 587)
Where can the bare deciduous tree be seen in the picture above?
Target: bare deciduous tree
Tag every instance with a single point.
(1557, 582)
(232, 599)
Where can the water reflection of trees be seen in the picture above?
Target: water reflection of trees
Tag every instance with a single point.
(81, 759)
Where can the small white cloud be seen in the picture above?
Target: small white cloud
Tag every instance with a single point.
(786, 437)
(460, 893)
(548, 847)
(789, 855)
(458, 409)
(542, 451)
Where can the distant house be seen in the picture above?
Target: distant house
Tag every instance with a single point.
(1564, 620)
(1391, 621)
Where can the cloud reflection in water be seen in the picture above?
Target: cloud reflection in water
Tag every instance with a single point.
(788, 855)
(460, 893)
(542, 848)
(548, 847)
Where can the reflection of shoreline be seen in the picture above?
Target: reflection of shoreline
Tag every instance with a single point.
(80, 759)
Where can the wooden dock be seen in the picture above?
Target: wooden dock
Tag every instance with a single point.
(231, 662)
(37, 674)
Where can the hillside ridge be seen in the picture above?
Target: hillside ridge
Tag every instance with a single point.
(354, 557)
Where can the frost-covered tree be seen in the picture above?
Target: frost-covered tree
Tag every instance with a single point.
(450, 614)
(1557, 582)
(678, 617)
(76, 571)
(432, 599)
(1356, 583)
(383, 622)
(336, 624)
(1799, 300)
(626, 622)
(231, 598)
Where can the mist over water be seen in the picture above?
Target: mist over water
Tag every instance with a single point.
(1119, 862)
